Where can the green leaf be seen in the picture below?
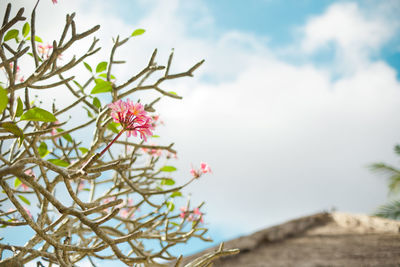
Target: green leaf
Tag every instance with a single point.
(168, 169)
(59, 162)
(20, 108)
(24, 199)
(38, 39)
(42, 149)
(11, 34)
(113, 126)
(66, 136)
(14, 129)
(170, 205)
(104, 75)
(29, 53)
(96, 103)
(26, 29)
(17, 183)
(102, 66)
(87, 66)
(176, 194)
(172, 93)
(11, 127)
(155, 136)
(78, 84)
(167, 182)
(174, 223)
(138, 32)
(101, 87)
(84, 150)
(3, 99)
(38, 114)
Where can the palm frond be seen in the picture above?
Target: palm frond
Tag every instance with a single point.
(397, 149)
(384, 168)
(390, 210)
(394, 183)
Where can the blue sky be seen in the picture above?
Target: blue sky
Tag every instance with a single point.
(294, 101)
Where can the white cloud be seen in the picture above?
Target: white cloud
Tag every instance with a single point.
(356, 34)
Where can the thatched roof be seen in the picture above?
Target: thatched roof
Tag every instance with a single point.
(323, 239)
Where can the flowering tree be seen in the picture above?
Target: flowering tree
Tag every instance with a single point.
(114, 204)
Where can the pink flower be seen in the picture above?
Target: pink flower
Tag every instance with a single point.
(54, 1)
(152, 151)
(156, 120)
(183, 212)
(108, 200)
(125, 213)
(194, 173)
(30, 173)
(44, 50)
(54, 130)
(171, 155)
(198, 215)
(197, 211)
(25, 187)
(132, 117)
(18, 76)
(204, 167)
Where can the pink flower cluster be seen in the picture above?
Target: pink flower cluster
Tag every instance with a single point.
(18, 77)
(152, 151)
(196, 215)
(44, 50)
(132, 117)
(204, 168)
(156, 120)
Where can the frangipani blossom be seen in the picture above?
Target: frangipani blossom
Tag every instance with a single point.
(156, 121)
(25, 187)
(44, 50)
(183, 212)
(18, 76)
(196, 215)
(30, 173)
(204, 168)
(194, 173)
(152, 151)
(54, 130)
(171, 155)
(132, 117)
